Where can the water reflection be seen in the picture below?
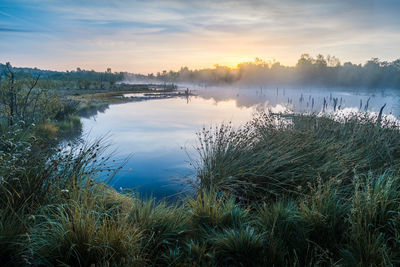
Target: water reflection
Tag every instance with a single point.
(155, 131)
(308, 100)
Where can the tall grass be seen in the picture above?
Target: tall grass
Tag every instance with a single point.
(293, 190)
(210, 210)
(96, 225)
(82, 232)
(374, 221)
(280, 154)
(238, 247)
(164, 227)
(324, 212)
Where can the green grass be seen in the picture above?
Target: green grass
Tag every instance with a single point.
(238, 247)
(298, 190)
(82, 232)
(96, 225)
(91, 107)
(276, 155)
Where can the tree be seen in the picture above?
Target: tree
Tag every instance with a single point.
(14, 97)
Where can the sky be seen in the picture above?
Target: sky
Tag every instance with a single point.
(150, 36)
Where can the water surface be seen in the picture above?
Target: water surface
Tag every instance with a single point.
(159, 133)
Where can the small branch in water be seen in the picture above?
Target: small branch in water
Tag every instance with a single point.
(335, 100)
(366, 105)
(380, 114)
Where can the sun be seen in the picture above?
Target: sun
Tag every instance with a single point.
(234, 61)
(232, 66)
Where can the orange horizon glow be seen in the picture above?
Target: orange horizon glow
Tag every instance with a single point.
(231, 64)
(152, 36)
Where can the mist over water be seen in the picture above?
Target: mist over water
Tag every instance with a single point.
(306, 99)
(159, 134)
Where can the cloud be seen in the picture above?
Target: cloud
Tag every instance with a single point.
(201, 33)
(11, 30)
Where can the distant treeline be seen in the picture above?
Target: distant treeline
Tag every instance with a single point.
(77, 74)
(76, 79)
(309, 71)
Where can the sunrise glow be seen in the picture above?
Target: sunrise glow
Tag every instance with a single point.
(150, 36)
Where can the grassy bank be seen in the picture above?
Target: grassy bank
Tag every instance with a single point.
(281, 154)
(90, 102)
(96, 225)
(315, 216)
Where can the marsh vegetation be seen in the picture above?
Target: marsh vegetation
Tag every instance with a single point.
(283, 189)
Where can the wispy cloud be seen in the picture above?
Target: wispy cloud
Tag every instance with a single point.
(5, 29)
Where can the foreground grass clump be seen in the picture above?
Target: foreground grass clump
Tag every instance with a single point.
(82, 232)
(90, 223)
(375, 221)
(242, 246)
(97, 225)
(164, 227)
(282, 154)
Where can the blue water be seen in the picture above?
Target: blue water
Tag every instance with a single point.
(157, 135)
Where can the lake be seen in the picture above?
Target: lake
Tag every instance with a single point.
(157, 135)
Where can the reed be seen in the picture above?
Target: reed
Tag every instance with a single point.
(94, 224)
(82, 232)
(276, 155)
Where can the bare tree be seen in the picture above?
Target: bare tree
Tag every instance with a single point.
(13, 97)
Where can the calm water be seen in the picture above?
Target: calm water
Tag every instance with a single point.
(158, 134)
